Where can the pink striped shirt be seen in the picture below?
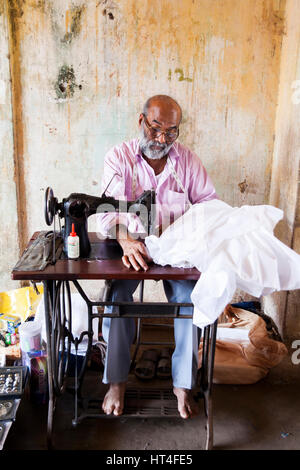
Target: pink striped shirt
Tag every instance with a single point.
(171, 201)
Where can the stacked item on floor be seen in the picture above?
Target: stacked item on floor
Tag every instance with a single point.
(20, 337)
(16, 307)
(12, 384)
(22, 354)
(34, 357)
(9, 339)
(248, 345)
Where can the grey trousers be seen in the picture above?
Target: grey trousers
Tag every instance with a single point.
(119, 334)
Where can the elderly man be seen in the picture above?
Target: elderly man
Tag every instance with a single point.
(155, 160)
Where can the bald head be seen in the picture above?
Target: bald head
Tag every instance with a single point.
(163, 102)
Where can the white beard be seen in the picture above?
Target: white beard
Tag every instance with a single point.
(152, 154)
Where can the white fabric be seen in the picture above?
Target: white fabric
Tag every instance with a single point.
(233, 247)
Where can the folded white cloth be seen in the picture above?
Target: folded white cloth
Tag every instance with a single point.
(233, 247)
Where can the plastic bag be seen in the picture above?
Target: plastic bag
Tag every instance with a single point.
(245, 361)
(21, 302)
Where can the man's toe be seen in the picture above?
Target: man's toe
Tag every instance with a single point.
(118, 411)
(106, 408)
(183, 411)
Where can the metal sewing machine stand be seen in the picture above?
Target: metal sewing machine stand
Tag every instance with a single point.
(58, 313)
(101, 260)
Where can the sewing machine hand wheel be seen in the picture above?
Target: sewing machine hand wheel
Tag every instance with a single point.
(50, 206)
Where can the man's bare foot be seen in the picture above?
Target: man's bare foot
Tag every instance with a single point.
(187, 406)
(114, 399)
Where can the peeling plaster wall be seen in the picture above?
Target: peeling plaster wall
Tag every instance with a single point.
(8, 204)
(86, 68)
(284, 192)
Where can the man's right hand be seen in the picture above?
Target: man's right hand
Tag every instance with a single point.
(134, 254)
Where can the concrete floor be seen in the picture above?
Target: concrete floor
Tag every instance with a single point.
(260, 416)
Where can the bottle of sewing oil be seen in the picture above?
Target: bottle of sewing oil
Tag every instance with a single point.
(73, 245)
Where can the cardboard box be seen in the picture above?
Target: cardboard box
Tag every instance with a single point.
(9, 323)
(12, 353)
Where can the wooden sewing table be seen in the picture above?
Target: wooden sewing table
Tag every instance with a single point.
(105, 263)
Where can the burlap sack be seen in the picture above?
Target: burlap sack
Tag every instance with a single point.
(245, 362)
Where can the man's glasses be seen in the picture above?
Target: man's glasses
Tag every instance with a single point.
(170, 134)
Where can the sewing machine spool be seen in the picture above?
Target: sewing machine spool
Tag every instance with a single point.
(50, 206)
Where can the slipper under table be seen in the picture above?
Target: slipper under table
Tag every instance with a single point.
(146, 365)
(164, 366)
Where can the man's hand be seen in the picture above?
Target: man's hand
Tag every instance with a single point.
(134, 254)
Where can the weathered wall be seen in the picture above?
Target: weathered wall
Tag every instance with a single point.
(82, 70)
(9, 244)
(284, 191)
(88, 66)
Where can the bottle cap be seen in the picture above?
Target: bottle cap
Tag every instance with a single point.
(73, 233)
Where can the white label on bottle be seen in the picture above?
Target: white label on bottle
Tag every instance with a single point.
(73, 247)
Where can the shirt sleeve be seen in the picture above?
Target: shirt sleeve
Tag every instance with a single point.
(201, 187)
(114, 185)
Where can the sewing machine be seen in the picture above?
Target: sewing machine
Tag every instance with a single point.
(57, 278)
(76, 209)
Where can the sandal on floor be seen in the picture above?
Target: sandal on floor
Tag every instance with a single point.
(97, 357)
(146, 365)
(164, 367)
